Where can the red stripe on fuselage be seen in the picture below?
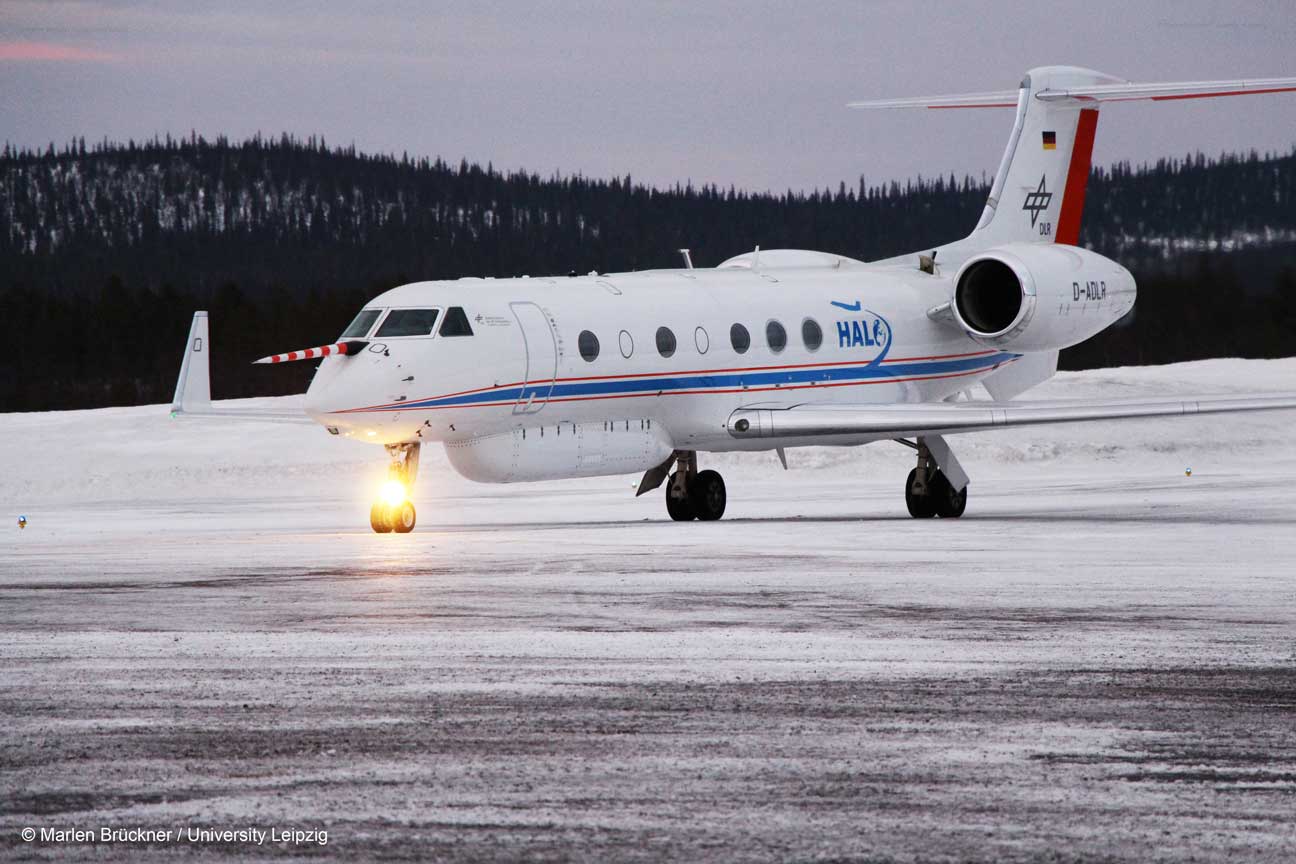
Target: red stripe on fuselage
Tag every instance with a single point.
(1073, 196)
(815, 386)
(687, 372)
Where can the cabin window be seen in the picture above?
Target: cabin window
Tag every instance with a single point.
(739, 338)
(408, 322)
(627, 344)
(701, 340)
(811, 334)
(455, 323)
(588, 344)
(775, 337)
(359, 326)
(665, 341)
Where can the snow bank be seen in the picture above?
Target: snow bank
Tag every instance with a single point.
(140, 455)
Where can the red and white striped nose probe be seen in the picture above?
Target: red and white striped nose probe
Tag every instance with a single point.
(350, 347)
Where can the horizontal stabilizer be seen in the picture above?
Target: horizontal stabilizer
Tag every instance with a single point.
(1087, 94)
(995, 99)
(1130, 92)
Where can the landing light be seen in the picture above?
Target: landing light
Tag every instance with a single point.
(393, 492)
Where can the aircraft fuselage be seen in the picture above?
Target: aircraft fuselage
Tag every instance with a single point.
(851, 334)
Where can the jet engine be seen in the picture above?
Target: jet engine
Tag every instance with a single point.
(1039, 297)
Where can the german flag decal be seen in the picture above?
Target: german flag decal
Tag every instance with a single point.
(1050, 140)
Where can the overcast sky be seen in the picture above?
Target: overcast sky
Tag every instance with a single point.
(744, 93)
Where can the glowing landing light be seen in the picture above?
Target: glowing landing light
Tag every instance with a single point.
(22, 521)
(393, 492)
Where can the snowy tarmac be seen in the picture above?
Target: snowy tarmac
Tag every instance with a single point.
(199, 630)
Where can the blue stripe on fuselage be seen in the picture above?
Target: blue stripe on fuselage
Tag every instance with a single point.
(703, 382)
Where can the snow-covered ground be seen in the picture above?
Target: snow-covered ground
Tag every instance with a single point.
(198, 628)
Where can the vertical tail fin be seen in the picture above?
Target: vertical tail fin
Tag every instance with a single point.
(193, 388)
(1039, 190)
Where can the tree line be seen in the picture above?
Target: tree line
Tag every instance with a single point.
(106, 250)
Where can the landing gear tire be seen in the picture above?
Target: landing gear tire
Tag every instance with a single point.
(921, 505)
(386, 518)
(939, 499)
(947, 503)
(707, 496)
(402, 517)
(680, 509)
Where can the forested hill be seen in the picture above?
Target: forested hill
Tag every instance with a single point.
(437, 220)
(104, 251)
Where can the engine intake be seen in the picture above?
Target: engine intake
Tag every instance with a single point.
(989, 297)
(1039, 296)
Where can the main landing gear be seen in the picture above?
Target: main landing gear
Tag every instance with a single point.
(691, 494)
(928, 492)
(393, 511)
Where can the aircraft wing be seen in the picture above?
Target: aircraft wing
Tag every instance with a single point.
(945, 418)
(213, 412)
(193, 388)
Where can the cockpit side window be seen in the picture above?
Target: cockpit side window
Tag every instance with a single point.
(359, 327)
(455, 323)
(408, 322)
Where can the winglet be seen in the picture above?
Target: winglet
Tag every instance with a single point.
(193, 389)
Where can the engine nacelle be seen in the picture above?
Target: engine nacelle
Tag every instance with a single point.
(1039, 297)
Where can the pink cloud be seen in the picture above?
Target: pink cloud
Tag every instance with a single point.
(49, 51)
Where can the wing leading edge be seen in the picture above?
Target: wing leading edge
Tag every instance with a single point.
(946, 418)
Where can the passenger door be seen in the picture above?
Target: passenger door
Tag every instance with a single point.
(541, 357)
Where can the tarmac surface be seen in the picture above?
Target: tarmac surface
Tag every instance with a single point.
(1093, 664)
(723, 691)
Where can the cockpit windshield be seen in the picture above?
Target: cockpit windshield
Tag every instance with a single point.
(358, 328)
(455, 323)
(408, 322)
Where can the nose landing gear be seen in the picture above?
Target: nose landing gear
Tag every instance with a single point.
(393, 511)
(384, 517)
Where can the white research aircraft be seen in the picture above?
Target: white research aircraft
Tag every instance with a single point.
(547, 378)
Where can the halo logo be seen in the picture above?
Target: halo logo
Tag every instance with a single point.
(858, 333)
(870, 330)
